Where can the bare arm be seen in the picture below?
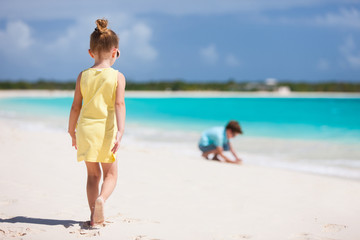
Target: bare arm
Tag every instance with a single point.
(75, 111)
(120, 110)
(226, 159)
(237, 159)
(219, 150)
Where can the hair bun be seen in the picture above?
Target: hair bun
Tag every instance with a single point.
(101, 25)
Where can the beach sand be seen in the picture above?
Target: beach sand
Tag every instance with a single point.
(163, 194)
(185, 94)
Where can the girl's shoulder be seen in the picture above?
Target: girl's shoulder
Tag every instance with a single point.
(120, 75)
(89, 71)
(120, 79)
(94, 71)
(85, 71)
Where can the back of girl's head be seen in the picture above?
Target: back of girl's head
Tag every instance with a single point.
(103, 39)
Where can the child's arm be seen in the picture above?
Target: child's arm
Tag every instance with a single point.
(238, 160)
(120, 111)
(226, 159)
(221, 153)
(75, 111)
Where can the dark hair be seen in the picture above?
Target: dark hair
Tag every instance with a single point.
(103, 39)
(234, 127)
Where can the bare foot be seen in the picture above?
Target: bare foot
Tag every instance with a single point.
(91, 222)
(98, 217)
(205, 156)
(215, 158)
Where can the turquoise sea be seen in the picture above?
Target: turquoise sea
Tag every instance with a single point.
(320, 135)
(331, 119)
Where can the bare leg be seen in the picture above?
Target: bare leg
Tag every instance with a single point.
(216, 157)
(110, 178)
(109, 183)
(206, 154)
(92, 186)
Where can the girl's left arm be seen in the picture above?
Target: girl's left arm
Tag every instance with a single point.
(120, 110)
(75, 111)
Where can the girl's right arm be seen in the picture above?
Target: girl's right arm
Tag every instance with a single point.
(75, 111)
(120, 110)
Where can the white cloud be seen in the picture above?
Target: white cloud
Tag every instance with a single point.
(323, 64)
(74, 39)
(209, 54)
(15, 38)
(72, 45)
(350, 53)
(136, 40)
(345, 18)
(135, 37)
(232, 61)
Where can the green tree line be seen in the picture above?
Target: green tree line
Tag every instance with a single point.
(180, 85)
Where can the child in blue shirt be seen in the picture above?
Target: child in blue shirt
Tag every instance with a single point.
(216, 140)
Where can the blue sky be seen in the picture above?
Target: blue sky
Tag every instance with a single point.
(198, 40)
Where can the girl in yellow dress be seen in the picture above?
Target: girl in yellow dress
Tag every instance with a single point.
(97, 118)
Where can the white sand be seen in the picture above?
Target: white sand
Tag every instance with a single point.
(162, 194)
(192, 94)
(165, 195)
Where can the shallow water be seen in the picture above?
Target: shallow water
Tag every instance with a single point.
(318, 135)
(332, 119)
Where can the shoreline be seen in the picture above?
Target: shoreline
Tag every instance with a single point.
(166, 194)
(184, 94)
(329, 157)
(267, 152)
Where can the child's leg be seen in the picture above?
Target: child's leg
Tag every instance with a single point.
(207, 153)
(110, 178)
(109, 183)
(92, 186)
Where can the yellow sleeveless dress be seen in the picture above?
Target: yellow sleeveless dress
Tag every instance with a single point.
(96, 127)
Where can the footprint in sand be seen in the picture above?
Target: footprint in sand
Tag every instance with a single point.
(144, 237)
(137, 220)
(333, 227)
(84, 229)
(14, 232)
(237, 236)
(309, 236)
(115, 216)
(241, 236)
(91, 232)
(234, 237)
(131, 220)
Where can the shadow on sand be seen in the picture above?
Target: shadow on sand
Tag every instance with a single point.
(43, 221)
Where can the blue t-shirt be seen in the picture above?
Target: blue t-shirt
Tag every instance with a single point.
(214, 136)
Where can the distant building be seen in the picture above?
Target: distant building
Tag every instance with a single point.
(271, 81)
(284, 90)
